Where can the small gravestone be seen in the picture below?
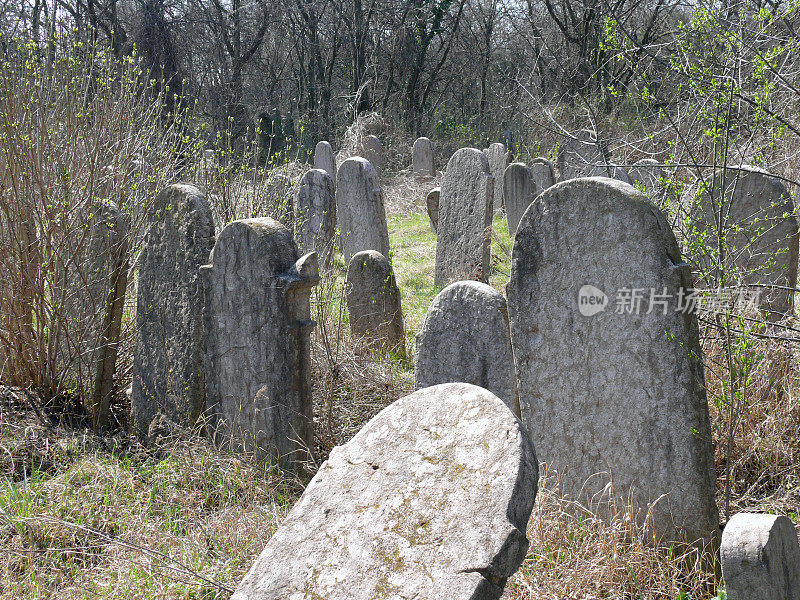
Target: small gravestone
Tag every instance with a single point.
(430, 500)
(168, 366)
(432, 205)
(608, 362)
(324, 159)
(360, 214)
(315, 214)
(519, 190)
(422, 158)
(648, 173)
(373, 303)
(579, 156)
(258, 358)
(372, 149)
(498, 161)
(761, 232)
(465, 219)
(543, 172)
(466, 338)
(760, 558)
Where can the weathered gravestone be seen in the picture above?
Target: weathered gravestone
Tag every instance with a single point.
(465, 338)
(373, 302)
(315, 214)
(258, 323)
(465, 219)
(324, 159)
(519, 189)
(432, 205)
(168, 366)
(760, 228)
(429, 500)
(498, 161)
(422, 158)
(648, 173)
(579, 156)
(543, 172)
(360, 213)
(372, 149)
(760, 558)
(609, 379)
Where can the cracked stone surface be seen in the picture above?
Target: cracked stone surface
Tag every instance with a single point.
(430, 500)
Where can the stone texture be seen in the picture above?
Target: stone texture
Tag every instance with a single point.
(498, 161)
(325, 159)
(360, 213)
(647, 173)
(373, 302)
(543, 173)
(465, 218)
(432, 204)
(422, 158)
(760, 558)
(372, 149)
(761, 230)
(612, 391)
(168, 367)
(315, 214)
(429, 500)
(519, 190)
(579, 156)
(466, 338)
(258, 323)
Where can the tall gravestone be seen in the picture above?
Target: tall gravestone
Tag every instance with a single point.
(608, 367)
(760, 558)
(431, 499)
(325, 159)
(422, 158)
(373, 302)
(465, 337)
(315, 214)
(373, 150)
(760, 228)
(360, 213)
(519, 190)
(465, 218)
(432, 206)
(258, 357)
(168, 365)
(543, 173)
(498, 161)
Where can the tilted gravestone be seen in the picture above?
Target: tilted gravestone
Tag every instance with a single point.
(325, 159)
(760, 228)
(647, 173)
(608, 365)
(432, 205)
(543, 172)
(373, 303)
(258, 358)
(519, 189)
(760, 558)
(360, 213)
(422, 158)
(465, 218)
(315, 214)
(465, 337)
(498, 161)
(168, 365)
(429, 500)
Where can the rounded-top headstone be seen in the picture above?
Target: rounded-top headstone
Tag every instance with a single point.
(422, 158)
(432, 206)
(543, 173)
(465, 337)
(519, 190)
(324, 158)
(429, 500)
(315, 214)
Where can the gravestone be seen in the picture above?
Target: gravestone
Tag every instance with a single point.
(168, 366)
(315, 214)
(372, 149)
(258, 357)
(612, 385)
(373, 303)
(519, 190)
(579, 156)
(465, 337)
(422, 158)
(761, 231)
(760, 558)
(360, 213)
(432, 205)
(429, 500)
(498, 161)
(465, 219)
(543, 172)
(324, 159)
(648, 173)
